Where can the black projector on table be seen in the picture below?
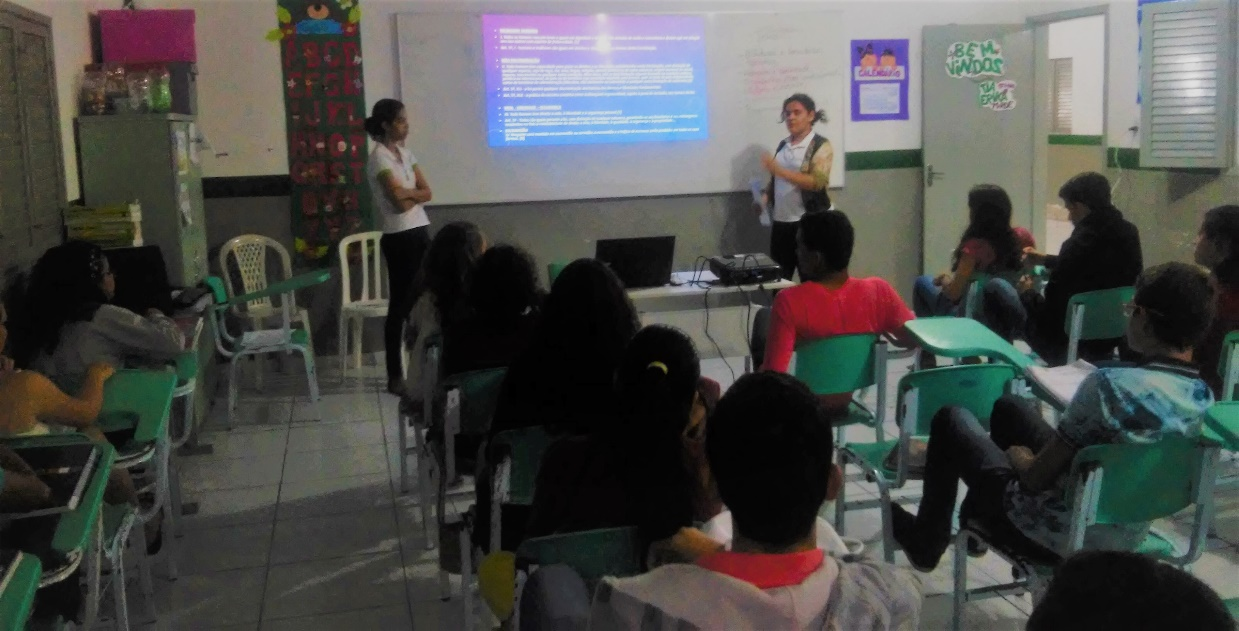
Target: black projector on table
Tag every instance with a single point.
(745, 269)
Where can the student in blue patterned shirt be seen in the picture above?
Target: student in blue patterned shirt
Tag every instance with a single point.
(1017, 472)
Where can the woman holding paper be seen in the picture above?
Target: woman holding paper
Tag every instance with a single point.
(799, 177)
(399, 189)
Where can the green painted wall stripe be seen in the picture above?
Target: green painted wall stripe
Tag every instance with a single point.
(1129, 158)
(1074, 139)
(875, 160)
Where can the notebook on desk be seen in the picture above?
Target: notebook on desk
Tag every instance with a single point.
(66, 469)
(1061, 382)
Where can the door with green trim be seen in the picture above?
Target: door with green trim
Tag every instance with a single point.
(977, 127)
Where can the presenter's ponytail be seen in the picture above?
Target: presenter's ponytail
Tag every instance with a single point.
(819, 116)
(385, 112)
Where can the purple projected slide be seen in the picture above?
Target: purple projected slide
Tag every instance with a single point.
(583, 79)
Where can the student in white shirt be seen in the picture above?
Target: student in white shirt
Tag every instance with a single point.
(398, 189)
(799, 177)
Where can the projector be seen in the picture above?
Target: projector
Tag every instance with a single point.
(745, 269)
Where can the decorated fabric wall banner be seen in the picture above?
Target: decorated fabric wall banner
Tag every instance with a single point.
(975, 59)
(325, 113)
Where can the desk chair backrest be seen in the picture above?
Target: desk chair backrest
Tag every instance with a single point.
(1096, 315)
(553, 270)
(922, 393)
(479, 396)
(975, 294)
(593, 554)
(524, 448)
(373, 285)
(1141, 482)
(1228, 368)
(217, 313)
(838, 364)
(249, 252)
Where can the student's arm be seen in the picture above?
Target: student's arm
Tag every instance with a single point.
(397, 195)
(896, 318)
(781, 338)
(62, 409)
(421, 187)
(156, 338)
(1038, 472)
(957, 286)
(817, 179)
(1082, 424)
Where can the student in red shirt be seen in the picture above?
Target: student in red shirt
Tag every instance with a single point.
(1217, 247)
(830, 302)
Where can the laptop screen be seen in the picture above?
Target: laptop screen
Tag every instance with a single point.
(640, 262)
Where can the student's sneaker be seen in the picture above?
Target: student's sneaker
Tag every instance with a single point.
(903, 524)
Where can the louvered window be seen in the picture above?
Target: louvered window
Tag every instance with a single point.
(1062, 96)
(1187, 117)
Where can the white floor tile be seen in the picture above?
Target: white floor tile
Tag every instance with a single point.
(337, 463)
(210, 600)
(232, 507)
(220, 549)
(338, 408)
(433, 615)
(244, 442)
(260, 411)
(361, 533)
(991, 614)
(390, 618)
(334, 436)
(334, 496)
(423, 581)
(232, 473)
(346, 584)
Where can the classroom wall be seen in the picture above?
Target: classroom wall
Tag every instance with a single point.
(1082, 40)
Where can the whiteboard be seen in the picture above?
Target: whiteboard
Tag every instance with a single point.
(754, 60)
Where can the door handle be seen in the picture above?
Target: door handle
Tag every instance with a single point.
(931, 175)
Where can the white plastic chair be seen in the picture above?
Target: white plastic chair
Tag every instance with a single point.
(372, 301)
(249, 254)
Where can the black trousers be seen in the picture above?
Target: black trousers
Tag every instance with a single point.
(960, 449)
(403, 252)
(783, 246)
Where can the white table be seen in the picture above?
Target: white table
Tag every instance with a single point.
(704, 311)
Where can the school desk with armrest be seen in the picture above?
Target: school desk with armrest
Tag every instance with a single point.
(964, 337)
(17, 599)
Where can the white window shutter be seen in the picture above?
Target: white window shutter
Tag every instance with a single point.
(1187, 72)
(1063, 112)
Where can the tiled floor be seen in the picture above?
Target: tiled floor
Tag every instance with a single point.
(301, 525)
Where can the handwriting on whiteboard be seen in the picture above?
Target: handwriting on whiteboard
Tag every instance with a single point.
(773, 72)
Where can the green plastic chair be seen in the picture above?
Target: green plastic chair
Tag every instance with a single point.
(516, 472)
(553, 270)
(921, 394)
(845, 364)
(593, 553)
(1096, 315)
(1228, 369)
(1232, 606)
(1132, 483)
(974, 295)
(17, 599)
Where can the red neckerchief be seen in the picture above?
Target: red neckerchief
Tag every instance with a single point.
(765, 571)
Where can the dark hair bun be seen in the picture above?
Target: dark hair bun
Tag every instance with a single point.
(374, 127)
(819, 116)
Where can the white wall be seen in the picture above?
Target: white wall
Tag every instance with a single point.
(241, 109)
(1083, 41)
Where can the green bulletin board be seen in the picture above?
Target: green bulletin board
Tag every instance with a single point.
(325, 112)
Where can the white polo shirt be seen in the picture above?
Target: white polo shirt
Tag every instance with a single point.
(401, 166)
(788, 203)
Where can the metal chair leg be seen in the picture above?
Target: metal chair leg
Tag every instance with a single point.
(888, 527)
(342, 346)
(961, 580)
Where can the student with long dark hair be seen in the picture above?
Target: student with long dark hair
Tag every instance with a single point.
(1217, 247)
(1103, 252)
(646, 466)
(989, 246)
(799, 177)
(440, 290)
(503, 305)
(72, 326)
(399, 189)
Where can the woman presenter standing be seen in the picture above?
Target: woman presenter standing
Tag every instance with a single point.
(799, 177)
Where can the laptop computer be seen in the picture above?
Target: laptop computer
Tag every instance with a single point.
(66, 469)
(640, 262)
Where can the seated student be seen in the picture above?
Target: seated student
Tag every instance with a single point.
(1125, 590)
(441, 286)
(503, 305)
(991, 246)
(1217, 247)
(644, 467)
(830, 302)
(564, 379)
(73, 327)
(1016, 474)
(1103, 252)
(769, 446)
